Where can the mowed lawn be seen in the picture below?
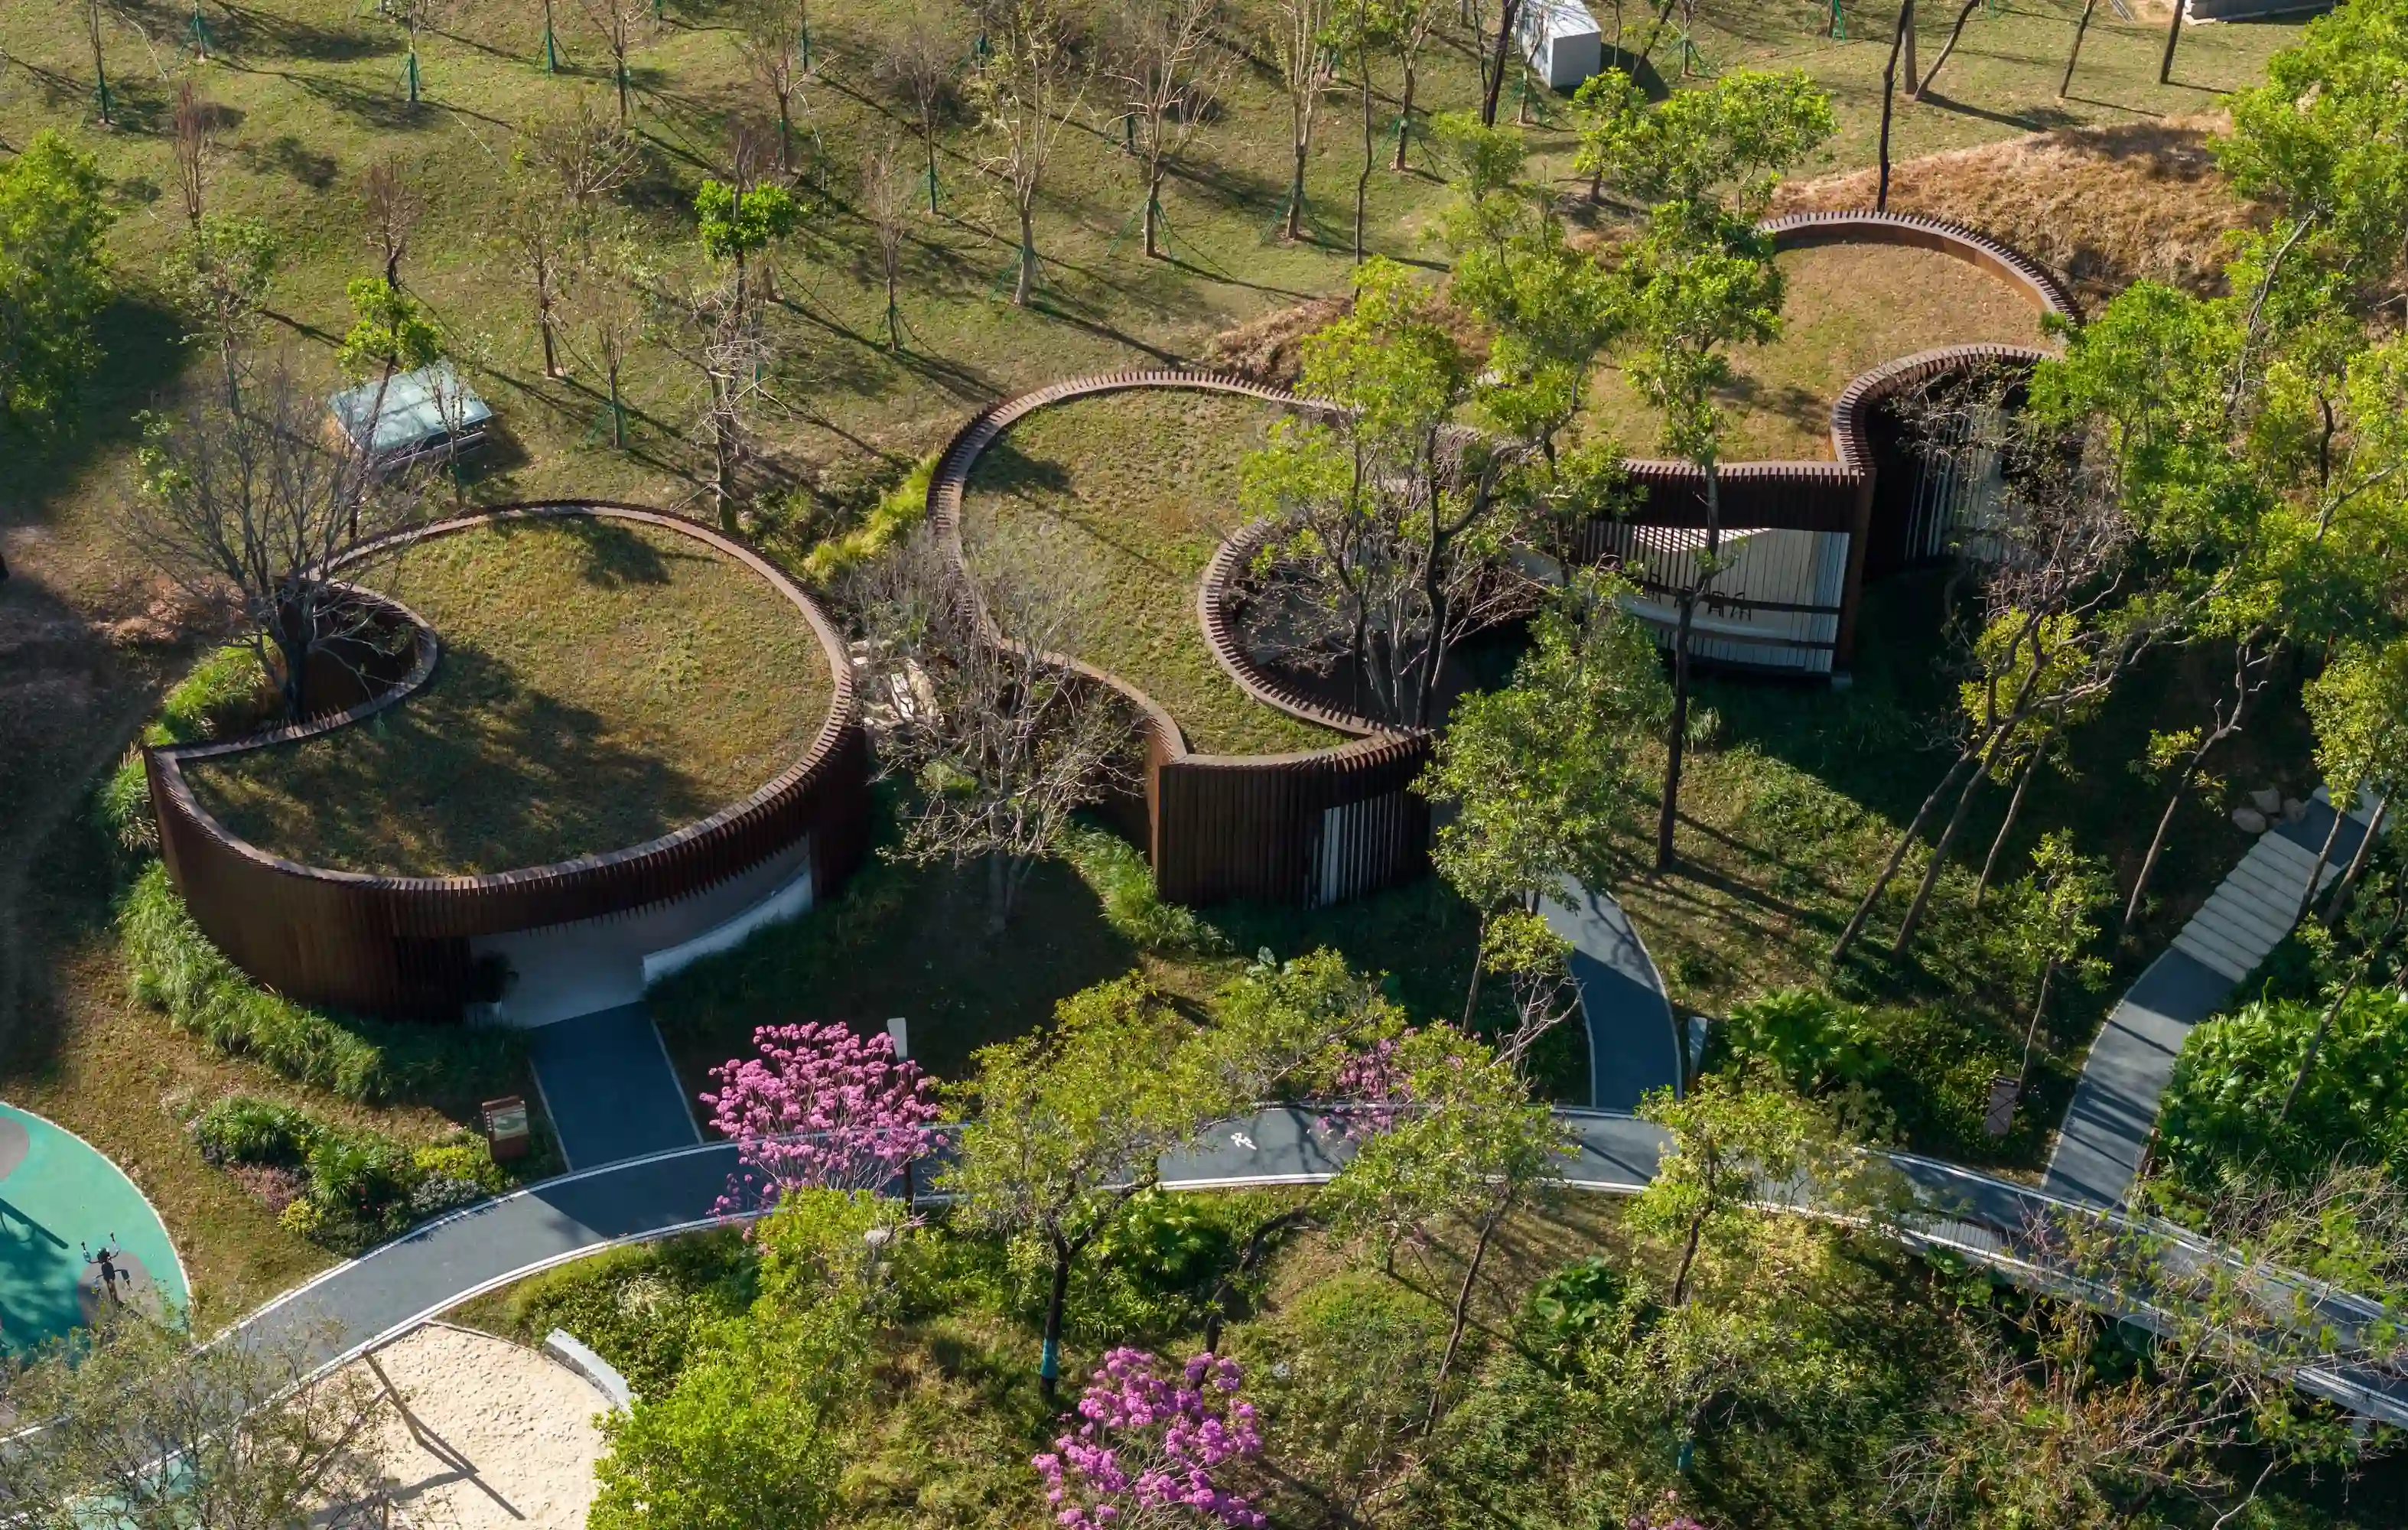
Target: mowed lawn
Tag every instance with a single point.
(1117, 502)
(1847, 309)
(601, 683)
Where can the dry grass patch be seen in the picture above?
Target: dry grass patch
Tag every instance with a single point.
(2100, 206)
(602, 683)
(1848, 308)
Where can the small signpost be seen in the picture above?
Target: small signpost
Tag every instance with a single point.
(506, 1127)
(2005, 1089)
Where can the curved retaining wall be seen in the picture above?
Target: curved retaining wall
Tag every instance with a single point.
(1309, 827)
(1316, 827)
(400, 944)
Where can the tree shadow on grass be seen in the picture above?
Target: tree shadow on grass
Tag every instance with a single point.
(614, 553)
(241, 32)
(140, 358)
(478, 772)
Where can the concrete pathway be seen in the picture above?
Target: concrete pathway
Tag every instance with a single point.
(1633, 1043)
(609, 1088)
(2115, 1110)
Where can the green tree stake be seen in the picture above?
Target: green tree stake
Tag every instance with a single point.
(1839, 28)
(805, 37)
(551, 51)
(1128, 131)
(200, 34)
(411, 70)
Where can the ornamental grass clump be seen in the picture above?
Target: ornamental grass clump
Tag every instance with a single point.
(1149, 1446)
(819, 1109)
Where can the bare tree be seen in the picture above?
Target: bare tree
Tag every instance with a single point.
(886, 206)
(393, 206)
(719, 335)
(1168, 68)
(538, 234)
(918, 66)
(588, 157)
(770, 35)
(1027, 91)
(1411, 24)
(1004, 742)
(1306, 66)
(2252, 666)
(195, 135)
(414, 17)
(246, 500)
(235, 1435)
(623, 23)
(608, 314)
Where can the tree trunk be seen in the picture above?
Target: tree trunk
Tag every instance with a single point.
(1363, 180)
(1910, 48)
(1855, 925)
(1404, 118)
(1954, 33)
(2015, 808)
(1497, 73)
(2173, 35)
(2158, 840)
(1478, 953)
(1153, 216)
(1295, 229)
(2031, 1031)
(100, 67)
(2074, 56)
(619, 56)
(928, 138)
(1049, 1364)
(1258, 1243)
(1899, 41)
(1688, 1257)
(1677, 746)
(543, 323)
(893, 314)
(2339, 900)
(618, 411)
(1027, 281)
(1462, 1311)
(785, 137)
(1939, 852)
(2316, 872)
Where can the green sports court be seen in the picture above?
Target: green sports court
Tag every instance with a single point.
(62, 1203)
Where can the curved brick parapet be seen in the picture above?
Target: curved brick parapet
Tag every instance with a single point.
(400, 944)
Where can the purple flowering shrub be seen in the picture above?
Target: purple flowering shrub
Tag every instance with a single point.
(820, 1108)
(1372, 1088)
(1148, 1445)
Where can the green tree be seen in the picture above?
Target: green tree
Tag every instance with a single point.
(1737, 1141)
(2052, 919)
(1065, 1126)
(1717, 152)
(55, 279)
(391, 331)
(1470, 1145)
(1540, 773)
(1689, 305)
(221, 272)
(753, 1434)
(738, 221)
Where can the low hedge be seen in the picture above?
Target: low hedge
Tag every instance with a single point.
(352, 1188)
(177, 971)
(227, 686)
(897, 511)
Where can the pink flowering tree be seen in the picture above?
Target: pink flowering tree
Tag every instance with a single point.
(1368, 1091)
(818, 1108)
(1148, 1446)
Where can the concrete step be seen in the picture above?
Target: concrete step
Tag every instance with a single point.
(2279, 854)
(2270, 882)
(2246, 912)
(2214, 953)
(2244, 941)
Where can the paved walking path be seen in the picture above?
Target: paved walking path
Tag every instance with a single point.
(1633, 1043)
(609, 1088)
(2115, 1110)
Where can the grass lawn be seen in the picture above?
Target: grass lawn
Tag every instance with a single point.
(1847, 309)
(309, 95)
(1124, 498)
(601, 683)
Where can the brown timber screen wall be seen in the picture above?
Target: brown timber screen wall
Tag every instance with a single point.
(400, 944)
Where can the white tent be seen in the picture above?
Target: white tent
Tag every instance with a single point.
(1562, 40)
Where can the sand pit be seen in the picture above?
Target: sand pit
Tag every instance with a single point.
(502, 1437)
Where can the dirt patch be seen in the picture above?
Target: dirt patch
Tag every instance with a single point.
(489, 1434)
(2102, 207)
(1270, 349)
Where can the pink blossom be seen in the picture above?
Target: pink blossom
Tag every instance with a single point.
(1372, 1089)
(820, 1108)
(1144, 1453)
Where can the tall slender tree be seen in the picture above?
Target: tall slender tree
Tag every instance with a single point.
(1028, 88)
